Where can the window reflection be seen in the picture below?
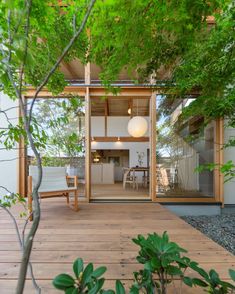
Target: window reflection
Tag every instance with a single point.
(182, 145)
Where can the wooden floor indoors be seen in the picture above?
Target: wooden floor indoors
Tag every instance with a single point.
(100, 233)
(116, 191)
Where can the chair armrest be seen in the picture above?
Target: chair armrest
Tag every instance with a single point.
(75, 180)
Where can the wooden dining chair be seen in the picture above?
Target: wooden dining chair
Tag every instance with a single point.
(129, 178)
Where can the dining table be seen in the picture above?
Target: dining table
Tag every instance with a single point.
(143, 169)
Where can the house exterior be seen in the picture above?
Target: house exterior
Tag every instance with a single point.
(163, 157)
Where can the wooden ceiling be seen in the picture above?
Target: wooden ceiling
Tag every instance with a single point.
(118, 106)
(75, 70)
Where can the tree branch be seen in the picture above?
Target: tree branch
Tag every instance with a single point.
(26, 44)
(67, 48)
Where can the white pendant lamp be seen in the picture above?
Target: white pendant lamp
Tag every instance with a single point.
(137, 125)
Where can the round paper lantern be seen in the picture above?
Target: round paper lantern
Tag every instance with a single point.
(137, 126)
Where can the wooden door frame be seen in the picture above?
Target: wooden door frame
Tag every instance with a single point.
(88, 91)
(153, 141)
(152, 146)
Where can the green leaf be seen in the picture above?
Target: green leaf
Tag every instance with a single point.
(214, 276)
(232, 274)
(72, 290)
(87, 274)
(155, 262)
(107, 292)
(199, 282)
(99, 272)
(78, 267)
(188, 281)
(199, 270)
(63, 281)
(120, 288)
(173, 270)
(99, 284)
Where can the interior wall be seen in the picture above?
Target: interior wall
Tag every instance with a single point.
(97, 126)
(8, 169)
(132, 147)
(116, 126)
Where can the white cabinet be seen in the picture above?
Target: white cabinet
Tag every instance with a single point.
(102, 173)
(96, 173)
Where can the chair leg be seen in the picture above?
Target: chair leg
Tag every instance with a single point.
(30, 206)
(67, 196)
(76, 200)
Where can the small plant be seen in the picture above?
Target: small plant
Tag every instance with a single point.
(140, 156)
(86, 280)
(211, 281)
(162, 258)
(163, 263)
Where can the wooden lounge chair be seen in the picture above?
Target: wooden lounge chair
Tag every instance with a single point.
(54, 184)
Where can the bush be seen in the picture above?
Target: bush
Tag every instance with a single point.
(162, 261)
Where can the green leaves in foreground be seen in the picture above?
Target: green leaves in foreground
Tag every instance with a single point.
(211, 281)
(86, 280)
(162, 263)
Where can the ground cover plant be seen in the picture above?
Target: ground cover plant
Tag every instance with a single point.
(163, 263)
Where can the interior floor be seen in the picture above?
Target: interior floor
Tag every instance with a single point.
(116, 191)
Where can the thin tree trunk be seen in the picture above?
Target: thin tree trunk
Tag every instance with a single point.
(27, 120)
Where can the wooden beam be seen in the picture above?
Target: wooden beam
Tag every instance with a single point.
(120, 139)
(106, 113)
(107, 107)
(130, 106)
(221, 139)
(99, 91)
(153, 181)
(137, 92)
(70, 90)
(22, 166)
(87, 134)
(218, 158)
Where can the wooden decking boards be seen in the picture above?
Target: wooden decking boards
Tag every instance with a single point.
(100, 233)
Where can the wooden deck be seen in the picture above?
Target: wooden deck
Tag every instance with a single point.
(100, 233)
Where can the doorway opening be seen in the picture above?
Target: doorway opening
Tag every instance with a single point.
(109, 178)
(120, 163)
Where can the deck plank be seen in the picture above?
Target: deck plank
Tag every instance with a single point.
(100, 233)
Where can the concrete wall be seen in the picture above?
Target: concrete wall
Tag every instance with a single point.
(229, 154)
(8, 169)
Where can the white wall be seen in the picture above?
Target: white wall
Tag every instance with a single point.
(133, 148)
(8, 169)
(229, 154)
(97, 126)
(116, 126)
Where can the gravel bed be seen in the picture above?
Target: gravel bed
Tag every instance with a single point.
(220, 228)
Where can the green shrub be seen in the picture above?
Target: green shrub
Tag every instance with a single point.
(163, 263)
